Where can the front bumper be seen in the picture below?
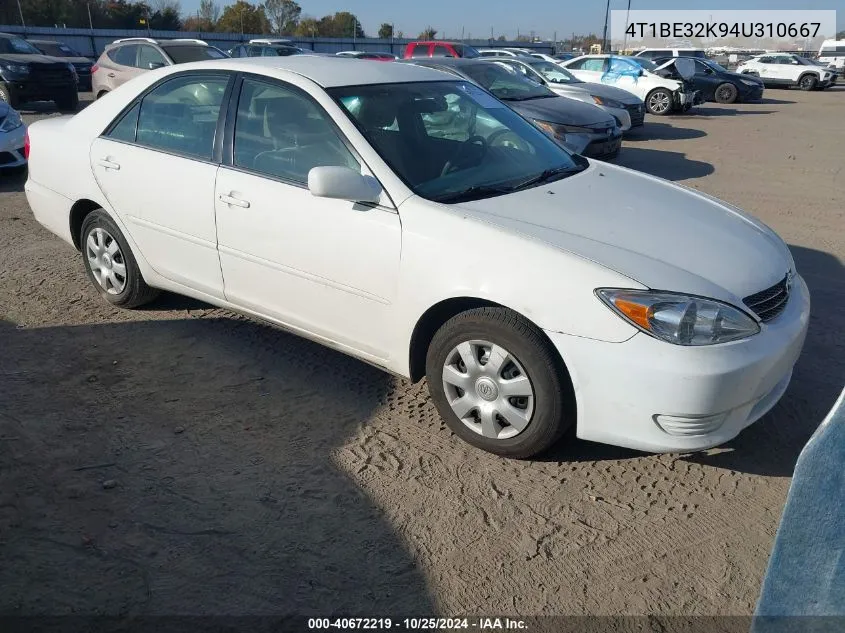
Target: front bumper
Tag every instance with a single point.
(650, 395)
(603, 146)
(751, 93)
(11, 148)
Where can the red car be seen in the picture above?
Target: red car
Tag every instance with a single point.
(439, 49)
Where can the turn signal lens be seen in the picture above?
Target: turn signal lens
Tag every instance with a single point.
(26, 145)
(679, 319)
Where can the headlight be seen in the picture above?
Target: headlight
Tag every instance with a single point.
(20, 69)
(679, 319)
(607, 103)
(11, 122)
(749, 82)
(552, 129)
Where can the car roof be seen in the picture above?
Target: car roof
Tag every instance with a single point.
(328, 71)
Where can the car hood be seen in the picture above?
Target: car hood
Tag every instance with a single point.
(562, 110)
(657, 233)
(30, 59)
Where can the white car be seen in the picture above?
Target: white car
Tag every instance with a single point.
(661, 96)
(786, 69)
(12, 137)
(622, 105)
(545, 57)
(657, 53)
(535, 289)
(832, 53)
(498, 52)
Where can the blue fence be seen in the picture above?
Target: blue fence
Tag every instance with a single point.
(91, 42)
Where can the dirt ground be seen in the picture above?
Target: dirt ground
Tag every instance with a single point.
(185, 460)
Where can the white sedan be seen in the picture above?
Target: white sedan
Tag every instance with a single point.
(363, 206)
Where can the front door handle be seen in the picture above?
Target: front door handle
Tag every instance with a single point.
(236, 202)
(108, 164)
(111, 74)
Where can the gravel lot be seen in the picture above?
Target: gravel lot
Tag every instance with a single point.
(183, 459)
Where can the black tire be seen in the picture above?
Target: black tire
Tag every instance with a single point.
(553, 401)
(68, 102)
(726, 93)
(808, 82)
(660, 96)
(135, 291)
(8, 95)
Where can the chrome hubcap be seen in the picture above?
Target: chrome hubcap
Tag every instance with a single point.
(659, 102)
(488, 389)
(106, 261)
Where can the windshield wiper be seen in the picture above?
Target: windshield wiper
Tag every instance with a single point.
(547, 175)
(473, 193)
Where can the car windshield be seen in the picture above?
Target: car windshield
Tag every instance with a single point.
(554, 73)
(58, 50)
(17, 46)
(450, 141)
(182, 54)
(505, 83)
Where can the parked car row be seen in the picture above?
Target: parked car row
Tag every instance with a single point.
(537, 290)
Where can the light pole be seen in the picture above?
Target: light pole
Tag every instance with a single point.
(23, 23)
(627, 19)
(604, 35)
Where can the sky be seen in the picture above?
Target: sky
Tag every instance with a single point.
(475, 18)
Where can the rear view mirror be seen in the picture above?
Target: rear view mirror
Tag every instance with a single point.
(431, 105)
(343, 183)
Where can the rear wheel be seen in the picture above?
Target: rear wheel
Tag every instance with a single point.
(110, 265)
(659, 102)
(498, 384)
(726, 93)
(68, 102)
(808, 82)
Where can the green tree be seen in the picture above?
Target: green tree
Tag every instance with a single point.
(840, 35)
(385, 31)
(428, 34)
(283, 15)
(341, 24)
(243, 17)
(307, 27)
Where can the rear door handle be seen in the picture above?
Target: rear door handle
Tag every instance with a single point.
(236, 202)
(111, 74)
(108, 164)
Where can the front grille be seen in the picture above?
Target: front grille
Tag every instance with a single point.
(637, 113)
(769, 303)
(59, 74)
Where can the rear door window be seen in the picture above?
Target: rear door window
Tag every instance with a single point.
(180, 116)
(442, 51)
(124, 55)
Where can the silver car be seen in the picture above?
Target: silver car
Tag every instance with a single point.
(12, 137)
(627, 108)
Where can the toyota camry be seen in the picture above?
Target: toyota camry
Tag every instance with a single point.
(407, 217)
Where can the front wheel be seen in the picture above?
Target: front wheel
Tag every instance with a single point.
(8, 95)
(110, 265)
(659, 102)
(808, 82)
(726, 93)
(498, 384)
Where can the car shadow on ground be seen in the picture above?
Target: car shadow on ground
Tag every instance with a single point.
(662, 163)
(770, 101)
(704, 111)
(654, 131)
(12, 179)
(187, 466)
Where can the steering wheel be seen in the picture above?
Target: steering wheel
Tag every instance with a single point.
(475, 147)
(501, 136)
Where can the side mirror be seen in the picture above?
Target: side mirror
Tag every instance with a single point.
(154, 65)
(343, 183)
(708, 71)
(641, 73)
